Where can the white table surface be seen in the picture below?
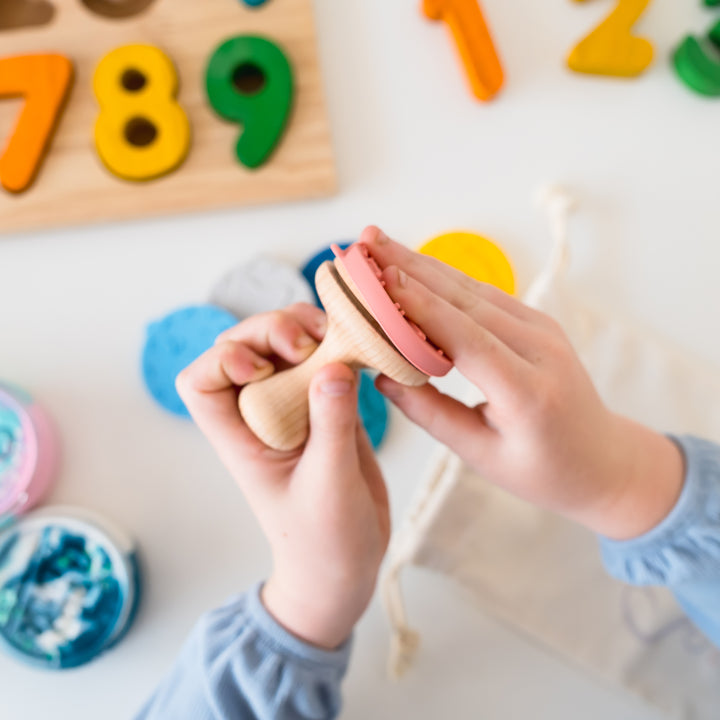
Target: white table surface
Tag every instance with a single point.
(418, 156)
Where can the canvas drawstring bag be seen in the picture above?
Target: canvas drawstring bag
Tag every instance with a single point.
(542, 574)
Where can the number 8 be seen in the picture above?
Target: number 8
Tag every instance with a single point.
(141, 132)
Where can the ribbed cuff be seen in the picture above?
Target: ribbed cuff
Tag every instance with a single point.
(686, 544)
(281, 640)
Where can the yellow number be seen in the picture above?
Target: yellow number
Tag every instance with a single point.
(612, 49)
(141, 132)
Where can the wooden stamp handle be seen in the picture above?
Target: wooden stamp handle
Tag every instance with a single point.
(276, 409)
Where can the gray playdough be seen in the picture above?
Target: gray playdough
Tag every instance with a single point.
(261, 285)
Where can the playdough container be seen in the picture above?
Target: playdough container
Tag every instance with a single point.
(68, 580)
(28, 452)
(69, 587)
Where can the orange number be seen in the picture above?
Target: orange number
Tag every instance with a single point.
(611, 48)
(44, 81)
(474, 43)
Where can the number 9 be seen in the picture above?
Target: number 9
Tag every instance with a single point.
(249, 81)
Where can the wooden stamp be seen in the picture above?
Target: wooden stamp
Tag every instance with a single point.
(365, 330)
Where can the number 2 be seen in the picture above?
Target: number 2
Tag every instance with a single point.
(44, 81)
(474, 43)
(612, 49)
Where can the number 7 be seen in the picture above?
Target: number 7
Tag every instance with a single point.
(44, 81)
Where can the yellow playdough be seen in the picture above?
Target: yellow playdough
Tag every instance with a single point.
(474, 255)
(141, 132)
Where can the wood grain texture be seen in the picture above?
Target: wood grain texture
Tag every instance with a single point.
(73, 186)
(276, 409)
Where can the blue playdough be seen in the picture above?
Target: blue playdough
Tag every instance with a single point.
(312, 265)
(371, 403)
(254, 3)
(373, 410)
(173, 343)
(67, 593)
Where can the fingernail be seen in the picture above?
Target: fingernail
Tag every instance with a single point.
(336, 387)
(263, 369)
(303, 341)
(402, 278)
(381, 238)
(321, 324)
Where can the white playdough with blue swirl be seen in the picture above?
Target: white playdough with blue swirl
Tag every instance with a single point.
(67, 592)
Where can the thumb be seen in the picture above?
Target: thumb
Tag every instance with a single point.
(333, 415)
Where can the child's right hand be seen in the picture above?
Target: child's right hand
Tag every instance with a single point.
(544, 434)
(323, 507)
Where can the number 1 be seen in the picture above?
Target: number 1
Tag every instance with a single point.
(612, 49)
(44, 81)
(474, 43)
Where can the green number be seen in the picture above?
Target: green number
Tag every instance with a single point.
(249, 81)
(695, 67)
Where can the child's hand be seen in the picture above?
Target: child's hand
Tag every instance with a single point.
(324, 507)
(544, 433)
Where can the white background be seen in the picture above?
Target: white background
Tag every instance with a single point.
(417, 155)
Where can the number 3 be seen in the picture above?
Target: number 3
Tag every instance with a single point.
(695, 67)
(611, 49)
(141, 132)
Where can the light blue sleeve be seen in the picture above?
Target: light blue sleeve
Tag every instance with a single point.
(239, 664)
(683, 551)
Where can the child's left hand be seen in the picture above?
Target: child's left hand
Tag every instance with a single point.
(324, 507)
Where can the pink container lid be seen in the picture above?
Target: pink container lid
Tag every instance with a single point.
(28, 452)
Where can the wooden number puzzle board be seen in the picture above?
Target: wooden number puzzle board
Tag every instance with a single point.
(73, 186)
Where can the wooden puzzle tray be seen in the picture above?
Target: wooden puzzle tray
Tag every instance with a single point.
(73, 185)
